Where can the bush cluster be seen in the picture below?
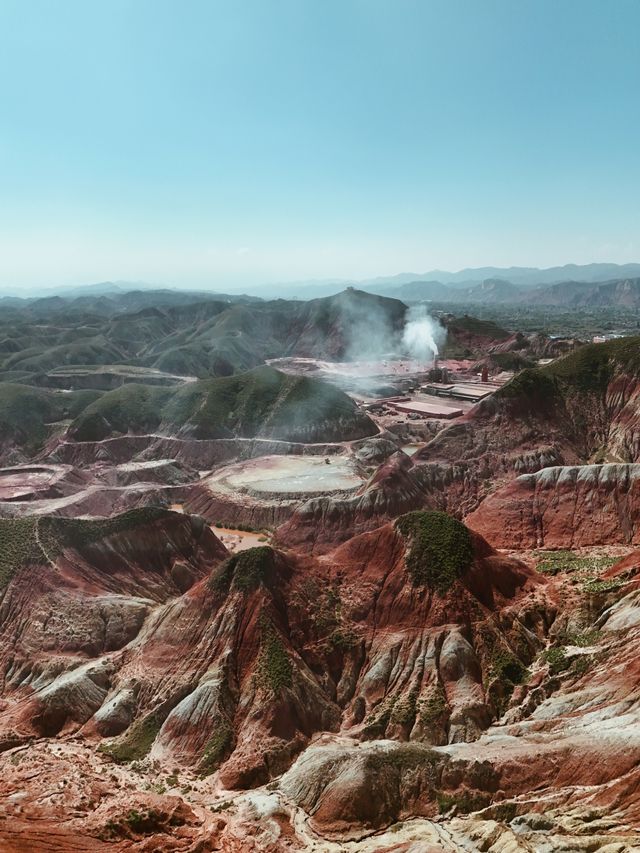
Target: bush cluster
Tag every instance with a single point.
(440, 548)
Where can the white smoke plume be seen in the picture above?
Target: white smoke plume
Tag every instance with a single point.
(423, 336)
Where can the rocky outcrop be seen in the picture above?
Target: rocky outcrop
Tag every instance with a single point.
(564, 507)
(78, 593)
(413, 662)
(272, 647)
(396, 486)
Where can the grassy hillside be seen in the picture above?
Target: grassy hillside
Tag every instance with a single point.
(130, 408)
(351, 324)
(262, 402)
(95, 350)
(589, 369)
(180, 332)
(27, 414)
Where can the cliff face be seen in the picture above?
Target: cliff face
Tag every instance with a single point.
(564, 507)
(400, 485)
(77, 594)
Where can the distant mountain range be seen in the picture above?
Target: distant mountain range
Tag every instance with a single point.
(439, 284)
(532, 276)
(619, 293)
(588, 286)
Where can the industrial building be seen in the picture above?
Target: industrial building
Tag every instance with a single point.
(462, 390)
(426, 410)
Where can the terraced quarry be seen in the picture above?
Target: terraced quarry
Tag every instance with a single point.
(239, 611)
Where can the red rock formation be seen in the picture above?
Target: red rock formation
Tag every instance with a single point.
(564, 507)
(584, 407)
(273, 647)
(66, 615)
(251, 662)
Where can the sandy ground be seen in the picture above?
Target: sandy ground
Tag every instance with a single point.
(240, 540)
(288, 475)
(232, 538)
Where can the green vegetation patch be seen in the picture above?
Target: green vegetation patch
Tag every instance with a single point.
(504, 671)
(63, 533)
(595, 586)
(482, 328)
(245, 570)
(265, 402)
(343, 639)
(433, 709)
(532, 386)
(26, 413)
(403, 757)
(464, 802)
(405, 708)
(582, 664)
(259, 402)
(554, 562)
(582, 639)
(511, 361)
(217, 748)
(556, 659)
(274, 670)
(506, 667)
(18, 546)
(440, 548)
(588, 369)
(130, 408)
(40, 540)
(142, 822)
(136, 742)
(377, 721)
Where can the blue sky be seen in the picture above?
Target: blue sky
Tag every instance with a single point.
(230, 143)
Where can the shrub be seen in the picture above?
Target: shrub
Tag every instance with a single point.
(556, 660)
(554, 562)
(404, 709)
(274, 669)
(582, 664)
(464, 803)
(594, 586)
(433, 709)
(343, 638)
(505, 666)
(216, 748)
(18, 546)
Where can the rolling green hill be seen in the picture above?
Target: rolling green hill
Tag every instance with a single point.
(260, 403)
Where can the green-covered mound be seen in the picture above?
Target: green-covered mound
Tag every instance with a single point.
(131, 408)
(243, 571)
(469, 337)
(261, 403)
(440, 548)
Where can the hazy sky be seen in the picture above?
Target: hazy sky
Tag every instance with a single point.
(201, 142)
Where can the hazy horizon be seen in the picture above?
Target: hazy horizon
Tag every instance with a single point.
(226, 146)
(453, 278)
